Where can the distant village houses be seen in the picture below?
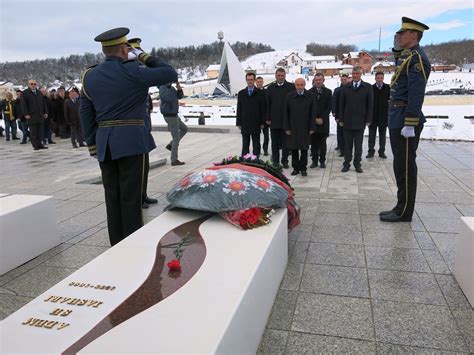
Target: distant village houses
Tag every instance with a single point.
(362, 59)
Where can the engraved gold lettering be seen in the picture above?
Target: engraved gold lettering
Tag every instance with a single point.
(53, 299)
(30, 321)
(56, 312)
(50, 324)
(62, 325)
(81, 303)
(40, 323)
(66, 312)
(74, 301)
(65, 299)
(93, 303)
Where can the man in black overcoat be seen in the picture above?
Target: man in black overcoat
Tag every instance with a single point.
(34, 107)
(300, 124)
(355, 112)
(380, 116)
(323, 97)
(250, 115)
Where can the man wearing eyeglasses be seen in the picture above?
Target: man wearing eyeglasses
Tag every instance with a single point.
(35, 110)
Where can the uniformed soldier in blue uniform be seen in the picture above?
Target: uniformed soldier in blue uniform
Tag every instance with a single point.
(113, 115)
(405, 119)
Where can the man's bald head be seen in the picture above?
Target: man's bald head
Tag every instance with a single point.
(300, 83)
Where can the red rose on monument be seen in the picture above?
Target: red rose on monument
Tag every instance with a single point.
(174, 265)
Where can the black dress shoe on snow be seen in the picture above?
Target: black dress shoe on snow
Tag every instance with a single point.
(150, 200)
(359, 170)
(313, 165)
(323, 165)
(144, 205)
(168, 146)
(304, 173)
(382, 155)
(393, 217)
(345, 169)
(295, 172)
(285, 166)
(370, 155)
(176, 163)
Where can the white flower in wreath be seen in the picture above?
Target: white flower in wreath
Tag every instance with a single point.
(236, 187)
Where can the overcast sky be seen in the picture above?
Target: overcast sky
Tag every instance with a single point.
(41, 29)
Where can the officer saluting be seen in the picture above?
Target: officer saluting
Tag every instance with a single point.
(405, 119)
(113, 114)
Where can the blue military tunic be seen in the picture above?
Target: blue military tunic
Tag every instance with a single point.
(113, 106)
(407, 90)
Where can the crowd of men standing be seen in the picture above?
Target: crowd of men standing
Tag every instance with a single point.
(38, 114)
(298, 119)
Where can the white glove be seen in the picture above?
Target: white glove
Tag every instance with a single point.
(134, 53)
(408, 131)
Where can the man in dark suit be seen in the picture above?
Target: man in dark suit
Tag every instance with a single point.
(113, 114)
(35, 109)
(276, 96)
(355, 112)
(300, 124)
(335, 107)
(323, 108)
(266, 127)
(71, 116)
(380, 116)
(250, 115)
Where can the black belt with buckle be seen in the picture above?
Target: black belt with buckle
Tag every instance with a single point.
(396, 103)
(117, 123)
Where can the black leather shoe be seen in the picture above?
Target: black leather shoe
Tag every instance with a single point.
(144, 205)
(168, 146)
(345, 169)
(382, 155)
(176, 163)
(383, 213)
(341, 155)
(323, 165)
(42, 147)
(393, 217)
(51, 142)
(150, 200)
(359, 170)
(285, 166)
(313, 165)
(23, 142)
(337, 148)
(295, 172)
(370, 155)
(265, 154)
(304, 173)
(15, 138)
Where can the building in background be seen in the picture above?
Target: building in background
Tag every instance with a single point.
(362, 59)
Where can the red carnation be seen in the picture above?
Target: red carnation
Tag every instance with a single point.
(174, 265)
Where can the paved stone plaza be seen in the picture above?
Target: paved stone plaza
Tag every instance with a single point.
(353, 283)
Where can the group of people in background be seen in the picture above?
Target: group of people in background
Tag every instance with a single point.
(38, 113)
(298, 119)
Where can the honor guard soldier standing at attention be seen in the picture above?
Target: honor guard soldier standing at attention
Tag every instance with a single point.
(113, 114)
(405, 119)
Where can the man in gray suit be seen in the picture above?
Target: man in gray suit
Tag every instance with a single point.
(355, 112)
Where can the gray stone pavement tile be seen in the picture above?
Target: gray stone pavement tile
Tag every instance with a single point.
(465, 320)
(466, 210)
(99, 238)
(335, 280)
(305, 235)
(291, 247)
(299, 253)
(460, 197)
(336, 254)
(73, 208)
(424, 240)
(405, 287)
(371, 222)
(452, 292)
(90, 196)
(374, 207)
(417, 225)
(446, 243)
(283, 310)
(13, 274)
(442, 225)
(396, 259)
(273, 342)
(292, 277)
(38, 280)
(338, 220)
(390, 238)
(6, 291)
(417, 325)
(437, 210)
(335, 206)
(70, 228)
(304, 343)
(10, 303)
(333, 315)
(436, 262)
(386, 349)
(336, 235)
(76, 256)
